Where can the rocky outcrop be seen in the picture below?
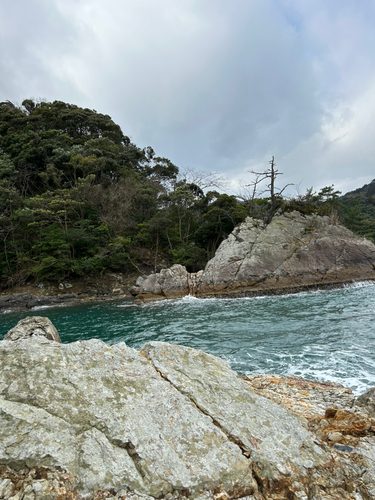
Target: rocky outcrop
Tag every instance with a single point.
(333, 415)
(91, 420)
(292, 253)
(169, 283)
(33, 326)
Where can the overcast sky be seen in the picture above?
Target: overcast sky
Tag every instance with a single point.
(216, 85)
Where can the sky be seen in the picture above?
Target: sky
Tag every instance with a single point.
(213, 85)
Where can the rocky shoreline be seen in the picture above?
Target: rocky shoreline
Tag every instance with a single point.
(112, 286)
(89, 420)
(293, 253)
(23, 301)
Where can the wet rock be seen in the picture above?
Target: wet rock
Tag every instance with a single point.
(33, 326)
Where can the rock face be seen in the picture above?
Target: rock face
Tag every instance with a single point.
(33, 326)
(292, 252)
(92, 420)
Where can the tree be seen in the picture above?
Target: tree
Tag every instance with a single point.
(274, 192)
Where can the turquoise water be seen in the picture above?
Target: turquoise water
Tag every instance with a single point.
(324, 335)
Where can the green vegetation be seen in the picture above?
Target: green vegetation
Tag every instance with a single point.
(77, 197)
(359, 210)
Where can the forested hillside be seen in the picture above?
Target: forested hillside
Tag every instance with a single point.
(359, 210)
(77, 197)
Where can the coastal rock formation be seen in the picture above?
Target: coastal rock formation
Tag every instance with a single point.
(91, 420)
(170, 283)
(367, 400)
(292, 253)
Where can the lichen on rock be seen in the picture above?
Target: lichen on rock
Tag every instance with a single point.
(91, 420)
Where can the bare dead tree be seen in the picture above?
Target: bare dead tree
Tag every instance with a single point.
(274, 192)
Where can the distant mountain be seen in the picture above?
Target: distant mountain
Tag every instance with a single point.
(368, 190)
(359, 210)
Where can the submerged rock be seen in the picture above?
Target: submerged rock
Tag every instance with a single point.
(93, 420)
(292, 253)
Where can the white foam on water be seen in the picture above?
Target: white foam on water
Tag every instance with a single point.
(189, 299)
(39, 308)
(359, 284)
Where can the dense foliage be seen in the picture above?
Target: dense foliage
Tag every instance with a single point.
(77, 197)
(359, 210)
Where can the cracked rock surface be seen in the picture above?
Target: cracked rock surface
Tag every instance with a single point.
(106, 416)
(89, 420)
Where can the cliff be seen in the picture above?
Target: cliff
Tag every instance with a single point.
(91, 420)
(292, 253)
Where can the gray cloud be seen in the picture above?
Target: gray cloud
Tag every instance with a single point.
(210, 84)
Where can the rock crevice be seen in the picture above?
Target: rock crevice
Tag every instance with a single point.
(244, 449)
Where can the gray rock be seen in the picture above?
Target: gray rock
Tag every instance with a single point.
(33, 326)
(292, 249)
(367, 400)
(172, 282)
(271, 436)
(106, 416)
(292, 252)
(167, 422)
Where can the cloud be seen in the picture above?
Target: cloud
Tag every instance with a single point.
(211, 84)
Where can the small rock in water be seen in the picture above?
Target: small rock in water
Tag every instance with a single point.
(33, 326)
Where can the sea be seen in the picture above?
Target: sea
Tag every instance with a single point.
(326, 335)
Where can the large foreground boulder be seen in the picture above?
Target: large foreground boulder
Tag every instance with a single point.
(292, 253)
(88, 419)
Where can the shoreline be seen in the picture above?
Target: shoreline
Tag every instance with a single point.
(263, 289)
(24, 302)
